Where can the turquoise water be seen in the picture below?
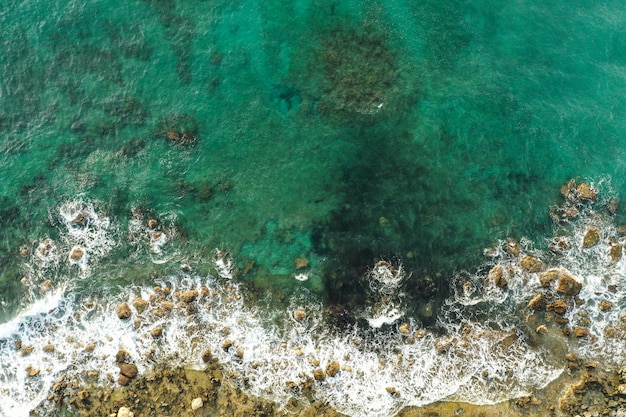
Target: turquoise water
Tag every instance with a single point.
(341, 133)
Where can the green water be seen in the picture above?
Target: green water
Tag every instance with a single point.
(336, 131)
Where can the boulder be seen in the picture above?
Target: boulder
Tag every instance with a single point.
(538, 302)
(299, 314)
(605, 305)
(615, 253)
(188, 296)
(207, 355)
(531, 264)
(196, 403)
(123, 311)
(591, 238)
(542, 329)
(558, 307)
(585, 192)
(546, 278)
(567, 285)
(319, 374)
(125, 412)
(129, 370)
(140, 304)
(332, 368)
(496, 275)
(301, 263)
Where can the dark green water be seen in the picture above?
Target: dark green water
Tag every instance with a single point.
(339, 132)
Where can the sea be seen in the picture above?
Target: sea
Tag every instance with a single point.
(367, 192)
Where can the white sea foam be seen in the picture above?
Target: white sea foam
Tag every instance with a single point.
(483, 356)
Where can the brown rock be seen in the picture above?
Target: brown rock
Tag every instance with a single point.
(122, 356)
(512, 246)
(319, 374)
(542, 329)
(188, 296)
(140, 304)
(123, 311)
(568, 187)
(156, 332)
(393, 391)
(538, 302)
(207, 355)
(48, 348)
(227, 344)
(32, 371)
(531, 264)
(123, 380)
(546, 278)
(26, 350)
(153, 223)
(76, 254)
(585, 192)
(299, 314)
(496, 275)
(404, 328)
(302, 263)
(615, 253)
(129, 370)
(605, 305)
(90, 347)
(591, 238)
(332, 368)
(567, 285)
(580, 332)
(558, 307)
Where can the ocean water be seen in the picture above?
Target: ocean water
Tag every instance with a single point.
(362, 161)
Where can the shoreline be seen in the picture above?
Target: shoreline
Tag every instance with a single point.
(585, 390)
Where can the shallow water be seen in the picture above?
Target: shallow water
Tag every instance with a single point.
(309, 141)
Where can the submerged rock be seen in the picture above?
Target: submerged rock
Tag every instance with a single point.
(299, 314)
(615, 253)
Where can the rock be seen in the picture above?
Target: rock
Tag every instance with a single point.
(227, 344)
(26, 350)
(302, 263)
(140, 304)
(538, 302)
(558, 307)
(567, 285)
(404, 328)
(48, 348)
(153, 223)
(615, 253)
(129, 370)
(156, 332)
(76, 254)
(122, 356)
(542, 329)
(299, 314)
(123, 380)
(125, 412)
(393, 391)
(188, 296)
(605, 305)
(546, 278)
(332, 368)
(559, 244)
(90, 347)
(196, 403)
(585, 192)
(580, 332)
(319, 374)
(207, 355)
(531, 264)
(32, 371)
(123, 311)
(591, 238)
(512, 246)
(496, 275)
